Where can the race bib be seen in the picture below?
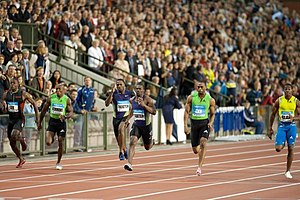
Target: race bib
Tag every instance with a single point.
(285, 116)
(198, 110)
(57, 109)
(122, 106)
(139, 114)
(13, 107)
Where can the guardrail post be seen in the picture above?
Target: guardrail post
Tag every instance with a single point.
(42, 138)
(86, 130)
(105, 131)
(159, 126)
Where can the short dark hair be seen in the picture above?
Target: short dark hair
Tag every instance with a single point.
(119, 79)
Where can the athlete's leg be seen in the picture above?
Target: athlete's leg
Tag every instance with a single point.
(202, 152)
(280, 138)
(133, 142)
(121, 137)
(15, 136)
(49, 137)
(147, 137)
(291, 138)
(290, 157)
(60, 148)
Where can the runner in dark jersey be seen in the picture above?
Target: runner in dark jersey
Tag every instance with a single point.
(120, 98)
(14, 100)
(142, 108)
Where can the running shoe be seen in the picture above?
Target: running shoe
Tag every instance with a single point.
(23, 144)
(128, 167)
(198, 172)
(288, 175)
(121, 156)
(58, 166)
(21, 163)
(126, 154)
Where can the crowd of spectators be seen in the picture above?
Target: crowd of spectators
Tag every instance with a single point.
(245, 50)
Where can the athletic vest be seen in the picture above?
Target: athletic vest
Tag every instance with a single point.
(141, 116)
(121, 104)
(15, 105)
(286, 108)
(58, 106)
(200, 107)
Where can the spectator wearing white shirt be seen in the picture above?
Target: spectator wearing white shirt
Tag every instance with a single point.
(95, 59)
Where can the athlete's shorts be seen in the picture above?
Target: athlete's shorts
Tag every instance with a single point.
(116, 124)
(142, 131)
(199, 129)
(14, 124)
(57, 126)
(286, 132)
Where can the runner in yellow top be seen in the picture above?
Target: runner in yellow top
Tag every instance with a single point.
(286, 107)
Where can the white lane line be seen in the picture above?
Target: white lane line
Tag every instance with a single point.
(117, 167)
(206, 185)
(256, 191)
(168, 179)
(138, 157)
(129, 174)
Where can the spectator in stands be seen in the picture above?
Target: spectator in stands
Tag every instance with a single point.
(55, 78)
(38, 82)
(13, 60)
(63, 28)
(10, 72)
(231, 89)
(23, 14)
(122, 64)
(266, 97)
(255, 95)
(170, 102)
(48, 88)
(13, 13)
(95, 59)
(251, 120)
(85, 99)
(29, 69)
(187, 86)
(3, 67)
(8, 51)
(132, 60)
(4, 85)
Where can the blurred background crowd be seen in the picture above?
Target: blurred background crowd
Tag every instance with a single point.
(245, 50)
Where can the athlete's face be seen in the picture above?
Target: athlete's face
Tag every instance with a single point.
(288, 90)
(14, 84)
(60, 90)
(120, 86)
(201, 88)
(139, 90)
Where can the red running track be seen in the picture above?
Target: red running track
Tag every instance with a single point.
(233, 170)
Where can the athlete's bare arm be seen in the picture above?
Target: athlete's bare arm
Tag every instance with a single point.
(272, 118)
(43, 112)
(211, 113)
(186, 114)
